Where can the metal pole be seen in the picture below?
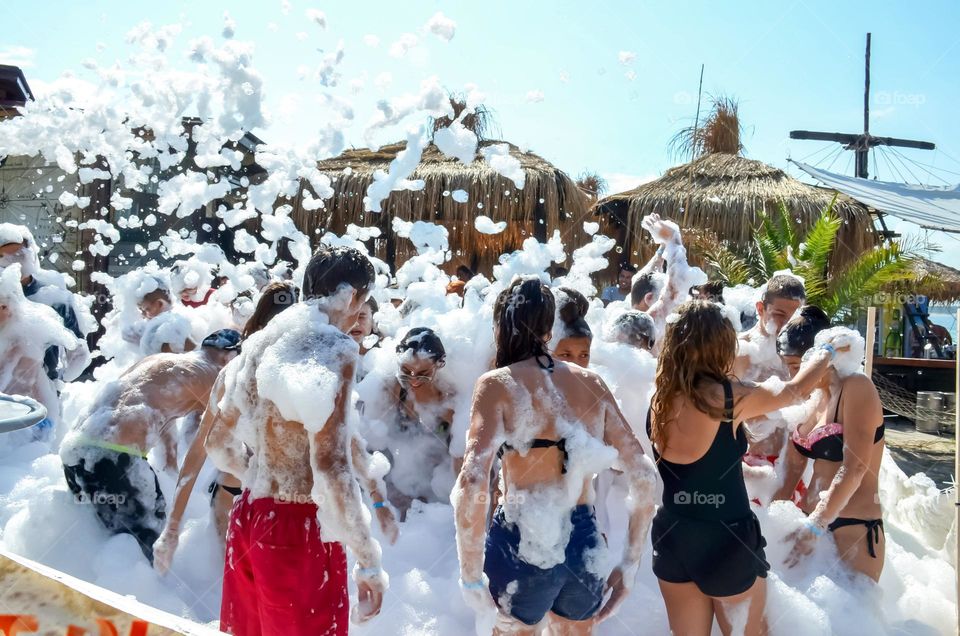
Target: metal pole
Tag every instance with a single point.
(871, 340)
(956, 490)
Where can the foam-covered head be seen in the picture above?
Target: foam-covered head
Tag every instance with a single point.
(523, 316)
(18, 248)
(645, 290)
(798, 335)
(781, 298)
(338, 278)
(420, 354)
(634, 328)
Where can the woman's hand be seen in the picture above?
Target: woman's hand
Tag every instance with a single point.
(618, 593)
(164, 549)
(803, 541)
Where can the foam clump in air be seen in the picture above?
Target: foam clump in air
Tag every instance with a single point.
(486, 225)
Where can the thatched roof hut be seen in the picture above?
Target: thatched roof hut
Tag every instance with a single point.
(550, 200)
(936, 281)
(724, 194)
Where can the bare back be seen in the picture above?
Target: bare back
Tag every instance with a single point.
(137, 408)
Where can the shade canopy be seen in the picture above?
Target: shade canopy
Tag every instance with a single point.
(931, 207)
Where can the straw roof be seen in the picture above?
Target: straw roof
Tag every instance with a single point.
(724, 193)
(549, 195)
(936, 281)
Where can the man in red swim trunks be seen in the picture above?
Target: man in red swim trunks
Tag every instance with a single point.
(282, 427)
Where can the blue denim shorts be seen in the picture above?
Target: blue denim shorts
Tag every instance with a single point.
(568, 589)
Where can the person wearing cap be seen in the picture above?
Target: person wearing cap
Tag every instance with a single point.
(17, 246)
(105, 455)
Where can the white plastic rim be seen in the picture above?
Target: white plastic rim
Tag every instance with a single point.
(17, 412)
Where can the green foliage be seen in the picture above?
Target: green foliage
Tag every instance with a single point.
(779, 245)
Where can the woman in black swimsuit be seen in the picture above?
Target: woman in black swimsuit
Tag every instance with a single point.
(844, 437)
(708, 549)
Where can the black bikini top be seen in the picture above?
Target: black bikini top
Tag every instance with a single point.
(826, 442)
(561, 443)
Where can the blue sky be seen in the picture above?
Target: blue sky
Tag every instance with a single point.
(790, 64)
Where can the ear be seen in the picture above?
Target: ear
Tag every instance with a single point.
(649, 299)
(760, 308)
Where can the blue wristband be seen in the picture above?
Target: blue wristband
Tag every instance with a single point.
(369, 571)
(826, 346)
(378, 504)
(814, 528)
(473, 585)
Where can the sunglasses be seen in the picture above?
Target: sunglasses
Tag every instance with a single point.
(408, 377)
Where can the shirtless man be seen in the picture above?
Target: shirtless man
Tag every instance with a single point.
(757, 357)
(105, 455)
(555, 426)
(282, 427)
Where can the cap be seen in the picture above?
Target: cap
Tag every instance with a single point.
(225, 339)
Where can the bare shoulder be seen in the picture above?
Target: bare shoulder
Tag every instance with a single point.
(858, 386)
(494, 381)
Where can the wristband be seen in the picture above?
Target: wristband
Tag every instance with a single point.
(826, 346)
(814, 528)
(378, 504)
(473, 585)
(369, 572)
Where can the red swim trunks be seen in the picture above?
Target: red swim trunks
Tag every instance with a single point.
(279, 577)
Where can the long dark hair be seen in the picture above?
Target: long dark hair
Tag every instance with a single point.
(700, 345)
(523, 315)
(275, 297)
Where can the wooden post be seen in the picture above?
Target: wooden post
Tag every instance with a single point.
(871, 339)
(956, 491)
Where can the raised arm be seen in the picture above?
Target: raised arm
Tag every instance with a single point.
(471, 495)
(756, 400)
(337, 496)
(641, 473)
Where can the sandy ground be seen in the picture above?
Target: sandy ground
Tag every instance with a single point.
(917, 452)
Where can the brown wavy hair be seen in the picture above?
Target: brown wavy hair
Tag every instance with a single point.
(274, 298)
(523, 314)
(700, 345)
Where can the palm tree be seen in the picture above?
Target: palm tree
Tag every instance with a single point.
(779, 245)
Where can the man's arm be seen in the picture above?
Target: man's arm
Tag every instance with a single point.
(376, 489)
(337, 495)
(221, 443)
(76, 360)
(471, 495)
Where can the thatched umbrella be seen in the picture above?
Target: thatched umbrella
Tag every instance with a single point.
(936, 281)
(725, 194)
(722, 193)
(550, 200)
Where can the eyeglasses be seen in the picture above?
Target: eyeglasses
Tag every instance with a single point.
(407, 377)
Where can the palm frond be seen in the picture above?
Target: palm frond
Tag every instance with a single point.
(858, 283)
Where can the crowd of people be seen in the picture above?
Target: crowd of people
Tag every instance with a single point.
(281, 384)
